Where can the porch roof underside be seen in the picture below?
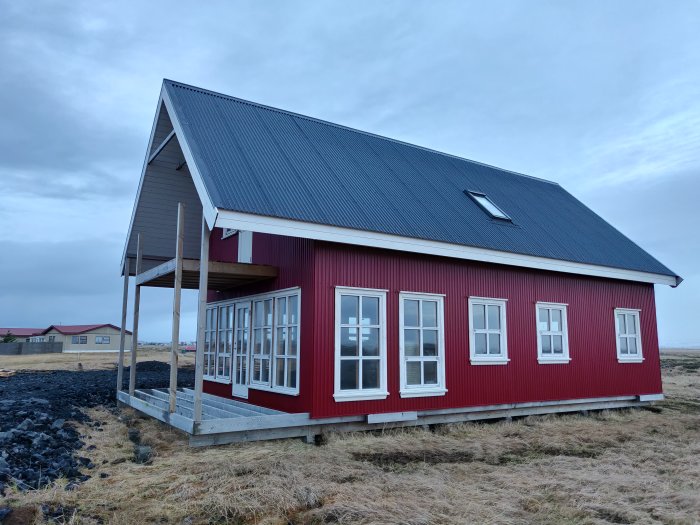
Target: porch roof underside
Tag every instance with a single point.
(222, 275)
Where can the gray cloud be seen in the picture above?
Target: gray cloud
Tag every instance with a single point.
(602, 98)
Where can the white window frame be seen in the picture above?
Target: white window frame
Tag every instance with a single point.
(81, 340)
(627, 358)
(262, 356)
(361, 394)
(422, 390)
(100, 339)
(553, 359)
(251, 299)
(287, 357)
(210, 336)
(227, 332)
(478, 359)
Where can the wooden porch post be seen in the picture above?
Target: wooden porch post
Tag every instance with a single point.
(201, 321)
(122, 332)
(175, 336)
(135, 330)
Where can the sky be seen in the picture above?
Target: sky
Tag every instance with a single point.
(601, 97)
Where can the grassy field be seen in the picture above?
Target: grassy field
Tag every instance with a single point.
(629, 466)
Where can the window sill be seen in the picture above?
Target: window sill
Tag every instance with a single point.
(553, 361)
(360, 396)
(489, 361)
(217, 380)
(630, 359)
(278, 390)
(423, 392)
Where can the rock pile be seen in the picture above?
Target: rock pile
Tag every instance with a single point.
(38, 442)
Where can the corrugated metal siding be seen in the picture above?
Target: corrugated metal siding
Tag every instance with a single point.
(294, 258)
(593, 372)
(265, 161)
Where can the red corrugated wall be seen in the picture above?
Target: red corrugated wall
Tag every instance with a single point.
(593, 372)
(295, 260)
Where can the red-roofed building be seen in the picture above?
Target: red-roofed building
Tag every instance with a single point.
(21, 334)
(75, 338)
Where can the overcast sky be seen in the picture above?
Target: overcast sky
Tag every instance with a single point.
(602, 97)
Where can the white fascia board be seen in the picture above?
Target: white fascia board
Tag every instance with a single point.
(306, 230)
(207, 206)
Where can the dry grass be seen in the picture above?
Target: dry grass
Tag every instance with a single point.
(630, 466)
(87, 360)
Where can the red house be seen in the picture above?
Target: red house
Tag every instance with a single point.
(348, 280)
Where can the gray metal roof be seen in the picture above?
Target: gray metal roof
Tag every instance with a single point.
(261, 160)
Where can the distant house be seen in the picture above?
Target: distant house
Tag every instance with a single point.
(21, 334)
(350, 279)
(86, 337)
(75, 338)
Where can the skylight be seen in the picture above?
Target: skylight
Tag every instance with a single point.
(487, 204)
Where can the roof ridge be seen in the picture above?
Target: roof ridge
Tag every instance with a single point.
(348, 128)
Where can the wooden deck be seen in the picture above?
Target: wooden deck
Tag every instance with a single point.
(222, 275)
(229, 421)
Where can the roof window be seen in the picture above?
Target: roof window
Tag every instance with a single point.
(487, 205)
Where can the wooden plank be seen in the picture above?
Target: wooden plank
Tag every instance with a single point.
(241, 404)
(175, 334)
(160, 147)
(224, 272)
(251, 423)
(208, 412)
(201, 321)
(162, 269)
(122, 331)
(233, 410)
(135, 330)
(174, 420)
(391, 417)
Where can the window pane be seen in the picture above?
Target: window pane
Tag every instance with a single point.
(292, 373)
(229, 324)
(282, 310)
(479, 317)
(279, 372)
(370, 373)
(348, 341)
(293, 310)
(546, 344)
(256, 369)
(370, 310)
(267, 346)
(621, 324)
(410, 342)
(370, 341)
(349, 378)
(632, 342)
(268, 312)
(430, 373)
(494, 344)
(258, 314)
(429, 313)
(413, 373)
(429, 342)
(631, 324)
(265, 371)
(293, 340)
(558, 344)
(494, 317)
(281, 340)
(623, 345)
(480, 343)
(410, 313)
(348, 309)
(222, 318)
(556, 321)
(543, 319)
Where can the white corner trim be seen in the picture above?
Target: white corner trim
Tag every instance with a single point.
(489, 361)
(323, 232)
(365, 396)
(423, 392)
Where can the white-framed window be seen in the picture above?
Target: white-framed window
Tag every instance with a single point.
(552, 333)
(421, 344)
(79, 339)
(488, 341)
(628, 335)
(262, 342)
(210, 343)
(286, 372)
(102, 339)
(224, 343)
(360, 344)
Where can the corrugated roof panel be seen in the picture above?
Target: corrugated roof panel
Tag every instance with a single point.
(265, 161)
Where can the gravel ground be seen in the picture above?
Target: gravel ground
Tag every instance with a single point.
(38, 441)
